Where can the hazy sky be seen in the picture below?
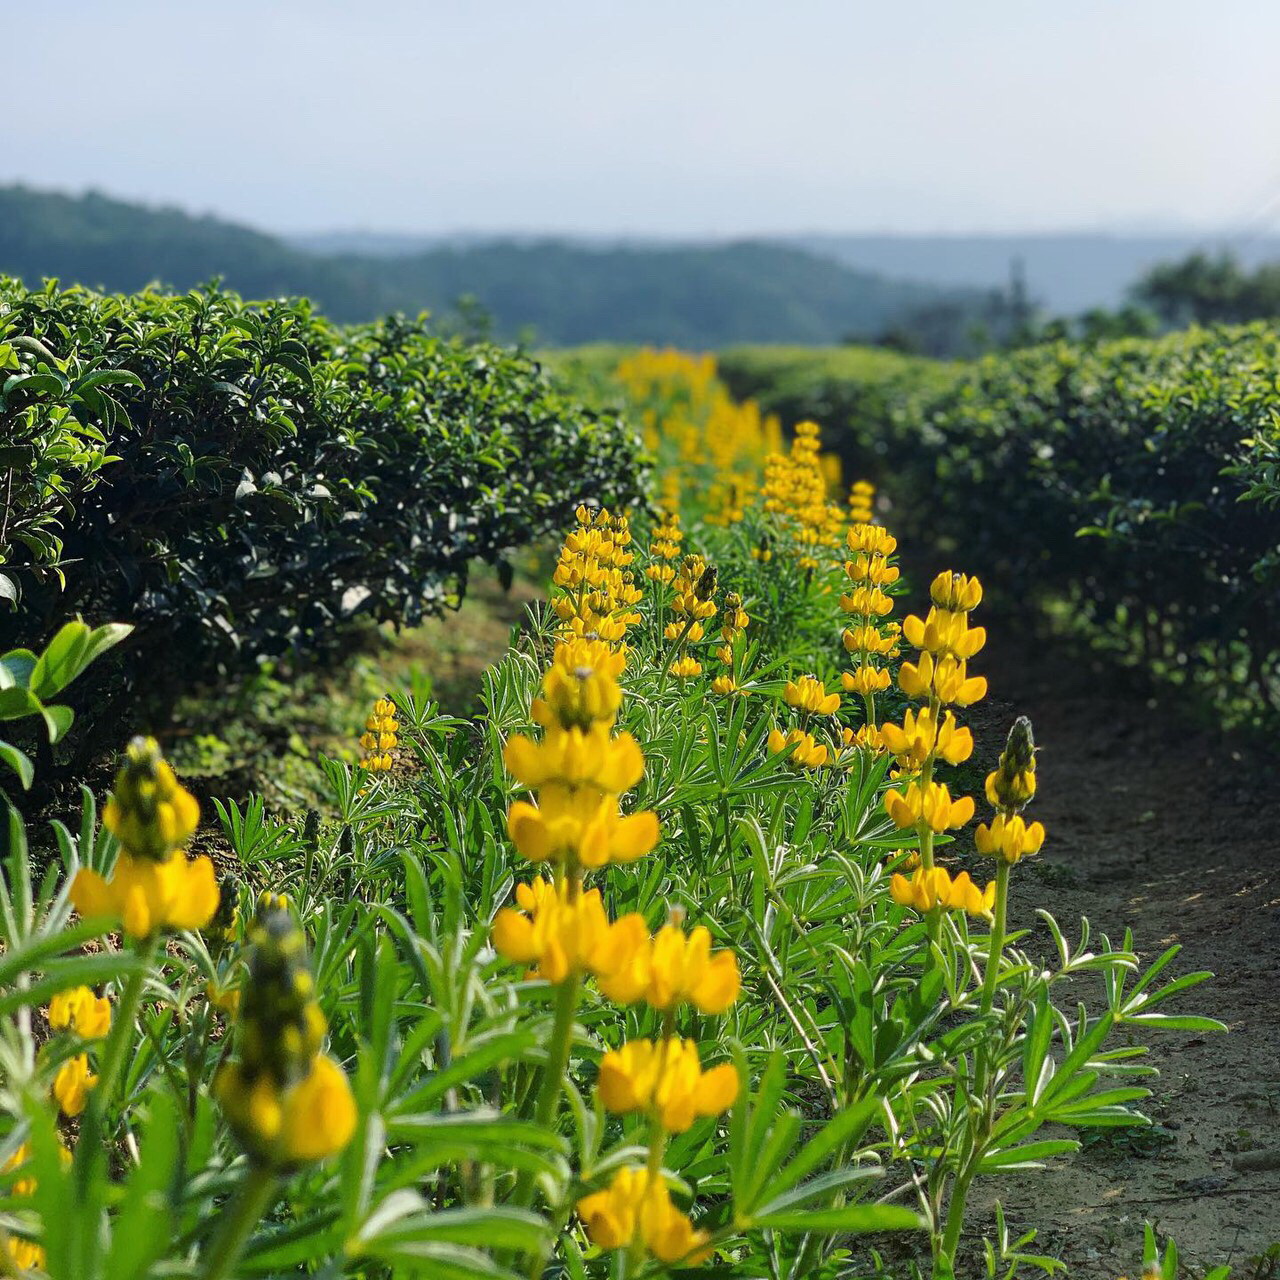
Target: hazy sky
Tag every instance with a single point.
(658, 117)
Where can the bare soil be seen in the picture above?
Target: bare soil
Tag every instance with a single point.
(1172, 829)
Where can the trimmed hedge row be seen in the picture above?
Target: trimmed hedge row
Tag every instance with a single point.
(244, 480)
(1138, 481)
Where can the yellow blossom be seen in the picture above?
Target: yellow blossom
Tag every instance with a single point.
(928, 803)
(147, 896)
(576, 757)
(956, 592)
(1009, 837)
(807, 753)
(666, 1078)
(582, 823)
(668, 969)
(636, 1207)
(79, 1010)
(72, 1083)
(934, 887)
(810, 695)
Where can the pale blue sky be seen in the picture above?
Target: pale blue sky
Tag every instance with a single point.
(657, 116)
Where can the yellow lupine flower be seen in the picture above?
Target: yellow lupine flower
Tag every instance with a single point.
(808, 694)
(869, 639)
(668, 969)
(1012, 784)
(944, 632)
(808, 753)
(865, 679)
(310, 1120)
(72, 1083)
(934, 887)
(725, 685)
(946, 678)
(637, 1207)
(872, 539)
(148, 811)
(931, 804)
(1009, 837)
(582, 823)
(685, 668)
(24, 1255)
(956, 592)
(79, 1010)
(286, 1102)
(667, 1079)
(920, 736)
(147, 896)
(557, 934)
(581, 685)
(576, 757)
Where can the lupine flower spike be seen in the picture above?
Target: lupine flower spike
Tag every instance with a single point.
(287, 1102)
(154, 886)
(379, 740)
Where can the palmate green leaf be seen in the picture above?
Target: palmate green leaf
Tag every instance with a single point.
(850, 1219)
(480, 1134)
(1030, 1155)
(405, 1218)
(839, 1134)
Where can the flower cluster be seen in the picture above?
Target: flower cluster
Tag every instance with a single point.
(733, 623)
(665, 1078)
(795, 493)
(664, 547)
(1010, 787)
(378, 741)
(637, 1207)
(869, 640)
(934, 888)
(709, 446)
(88, 1017)
(579, 768)
(22, 1255)
(692, 604)
(940, 677)
(154, 886)
(809, 697)
(598, 591)
(862, 495)
(286, 1102)
(559, 930)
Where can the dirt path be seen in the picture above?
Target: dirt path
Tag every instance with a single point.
(1175, 832)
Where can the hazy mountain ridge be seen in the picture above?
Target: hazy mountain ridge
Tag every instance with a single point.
(558, 291)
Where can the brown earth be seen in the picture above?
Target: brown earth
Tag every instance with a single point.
(1173, 830)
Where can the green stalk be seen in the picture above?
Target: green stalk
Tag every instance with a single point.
(256, 1197)
(995, 948)
(89, 1148)
(552, 1073)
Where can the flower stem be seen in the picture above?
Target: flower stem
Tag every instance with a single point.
(995, 948)
(552, 1073)
(90, 1147)
(256, 1196)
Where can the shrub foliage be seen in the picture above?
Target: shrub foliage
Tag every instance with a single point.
(1136, 479)
(240, 480)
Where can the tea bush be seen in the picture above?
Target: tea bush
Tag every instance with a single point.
(1135, 480)
(669, 958)
(243, 480)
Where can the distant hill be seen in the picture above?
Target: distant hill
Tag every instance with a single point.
(556, 291)
(1066, 274)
